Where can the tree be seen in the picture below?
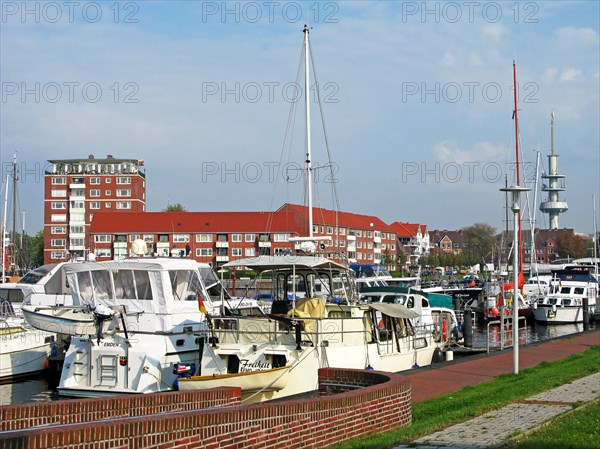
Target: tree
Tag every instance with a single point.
(481, 238)
(177, 207)
(36, 249)
(568, 244)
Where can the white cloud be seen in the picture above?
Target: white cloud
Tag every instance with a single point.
(448, 60)
(448, 151)
(495, 31)
(578, 35)
(570, 74)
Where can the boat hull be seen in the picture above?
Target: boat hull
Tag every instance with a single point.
(558, 315)
(67, 321)
(23, 352)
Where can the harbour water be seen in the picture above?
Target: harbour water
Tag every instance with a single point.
(42, 388)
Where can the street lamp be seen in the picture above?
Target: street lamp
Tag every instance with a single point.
(516, 208)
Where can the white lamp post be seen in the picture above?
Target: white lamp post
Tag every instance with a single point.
(516, 208)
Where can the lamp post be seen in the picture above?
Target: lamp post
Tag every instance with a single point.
(516, 208)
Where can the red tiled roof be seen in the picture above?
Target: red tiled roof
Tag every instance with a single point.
(187, 222)
(333, 218)
(407, 229)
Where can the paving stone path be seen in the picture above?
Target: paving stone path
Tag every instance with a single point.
(495, 428)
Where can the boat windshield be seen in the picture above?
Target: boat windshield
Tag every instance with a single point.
(34, 276)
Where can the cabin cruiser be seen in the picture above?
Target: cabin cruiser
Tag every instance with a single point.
(130, 321)
(573, 292)
(326, 327)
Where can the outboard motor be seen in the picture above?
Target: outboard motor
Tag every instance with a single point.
(182, 370)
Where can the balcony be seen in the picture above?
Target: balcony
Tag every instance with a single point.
(222, 244)
(264, 244)
(351, 237)
(377, 239)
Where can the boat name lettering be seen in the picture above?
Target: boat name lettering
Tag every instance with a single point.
(110, 344)
(257, 365)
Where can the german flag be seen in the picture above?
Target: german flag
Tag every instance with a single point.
(201, 306)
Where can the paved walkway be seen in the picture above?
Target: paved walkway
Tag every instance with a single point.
(494, 428)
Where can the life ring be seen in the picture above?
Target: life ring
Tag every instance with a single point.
(444, 330)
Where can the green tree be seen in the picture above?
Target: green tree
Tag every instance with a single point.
(36, 249)
(177, 207)
(568, 244)
(481, 238)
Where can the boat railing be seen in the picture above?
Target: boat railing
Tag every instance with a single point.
(500, 332)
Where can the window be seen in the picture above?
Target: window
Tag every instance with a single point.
(377, 234)
(329, 230)
(250, 252)
(204, 252)
(359, 245)
(250, 237)
(236, 237)
(94, 204)
(281, 237)
(58, 230)
(342, 231)
(369, 245)
(370, 256)
(180, 238)
(77, 242)
(236, 252)
(369, 234)
(103, 252)
(95, 192)
(123, 193)
(102, 238)
(204, 237)
(58, 193)
(108, 180)
(123, 205)
(126, 180)
(108, 192)
(57, 255)
(59, 181)
(149, 238)
(77, 230)
(78, 204)
(58, 242)
(359, 233)
(342, 243)
(59, 205)
(58, 217)
(94, 180)
(108, 205)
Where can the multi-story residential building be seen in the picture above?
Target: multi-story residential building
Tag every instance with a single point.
(449, 241)
(77, 189)
(414, 240)
(220, 237)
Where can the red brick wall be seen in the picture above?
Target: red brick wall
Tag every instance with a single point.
(185, 422)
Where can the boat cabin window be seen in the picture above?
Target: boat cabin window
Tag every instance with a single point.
(578, 290)
(186, 285)
(424, 302)
(12, 294)
(128, 284)
(124, 285)
(565, 290)
(34, 276)
(411, 302)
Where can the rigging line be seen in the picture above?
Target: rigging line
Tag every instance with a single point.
(318, 96)
(289, 131)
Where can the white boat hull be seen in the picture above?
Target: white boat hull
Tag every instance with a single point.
(23, 351)
(558, 315)
(266, 380)
(67, 321)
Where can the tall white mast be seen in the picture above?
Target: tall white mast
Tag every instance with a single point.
(308, 142)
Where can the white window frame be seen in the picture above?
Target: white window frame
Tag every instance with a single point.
(181, 238)
(122, 180)
(59, 181)
(122, 205)
(54, 218)
(95, 193)
(237, 238)
(94, 181)
(58, 193)
(102, 238)
(58, 230)
(94, 205)
(58, 205)
(58, 242)
(236, 252)
(203, 238)
(249, 252)
(123, 193)
(250, 237)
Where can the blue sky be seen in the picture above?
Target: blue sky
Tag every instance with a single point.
(417, 96)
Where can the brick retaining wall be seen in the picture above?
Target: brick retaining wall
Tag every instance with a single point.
(370, 402)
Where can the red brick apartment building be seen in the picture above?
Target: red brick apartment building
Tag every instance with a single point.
(77, 189)
(221, 237)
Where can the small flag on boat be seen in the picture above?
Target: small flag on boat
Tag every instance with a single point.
(201, 305)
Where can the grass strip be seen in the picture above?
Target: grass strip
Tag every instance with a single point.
(437, 413)
(577, 429)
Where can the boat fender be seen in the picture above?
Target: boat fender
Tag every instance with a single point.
(444, 330)
(438, 356)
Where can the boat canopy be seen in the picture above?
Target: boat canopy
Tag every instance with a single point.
(264, 263)
(394, 310)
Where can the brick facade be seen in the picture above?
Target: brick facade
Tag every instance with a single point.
(182, 419)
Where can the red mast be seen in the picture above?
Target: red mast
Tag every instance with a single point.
(518, 172)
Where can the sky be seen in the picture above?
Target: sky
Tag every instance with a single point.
(417, 102)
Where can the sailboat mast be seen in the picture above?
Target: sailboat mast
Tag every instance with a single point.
(4, 231)
(518, 172)
(308, 142)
